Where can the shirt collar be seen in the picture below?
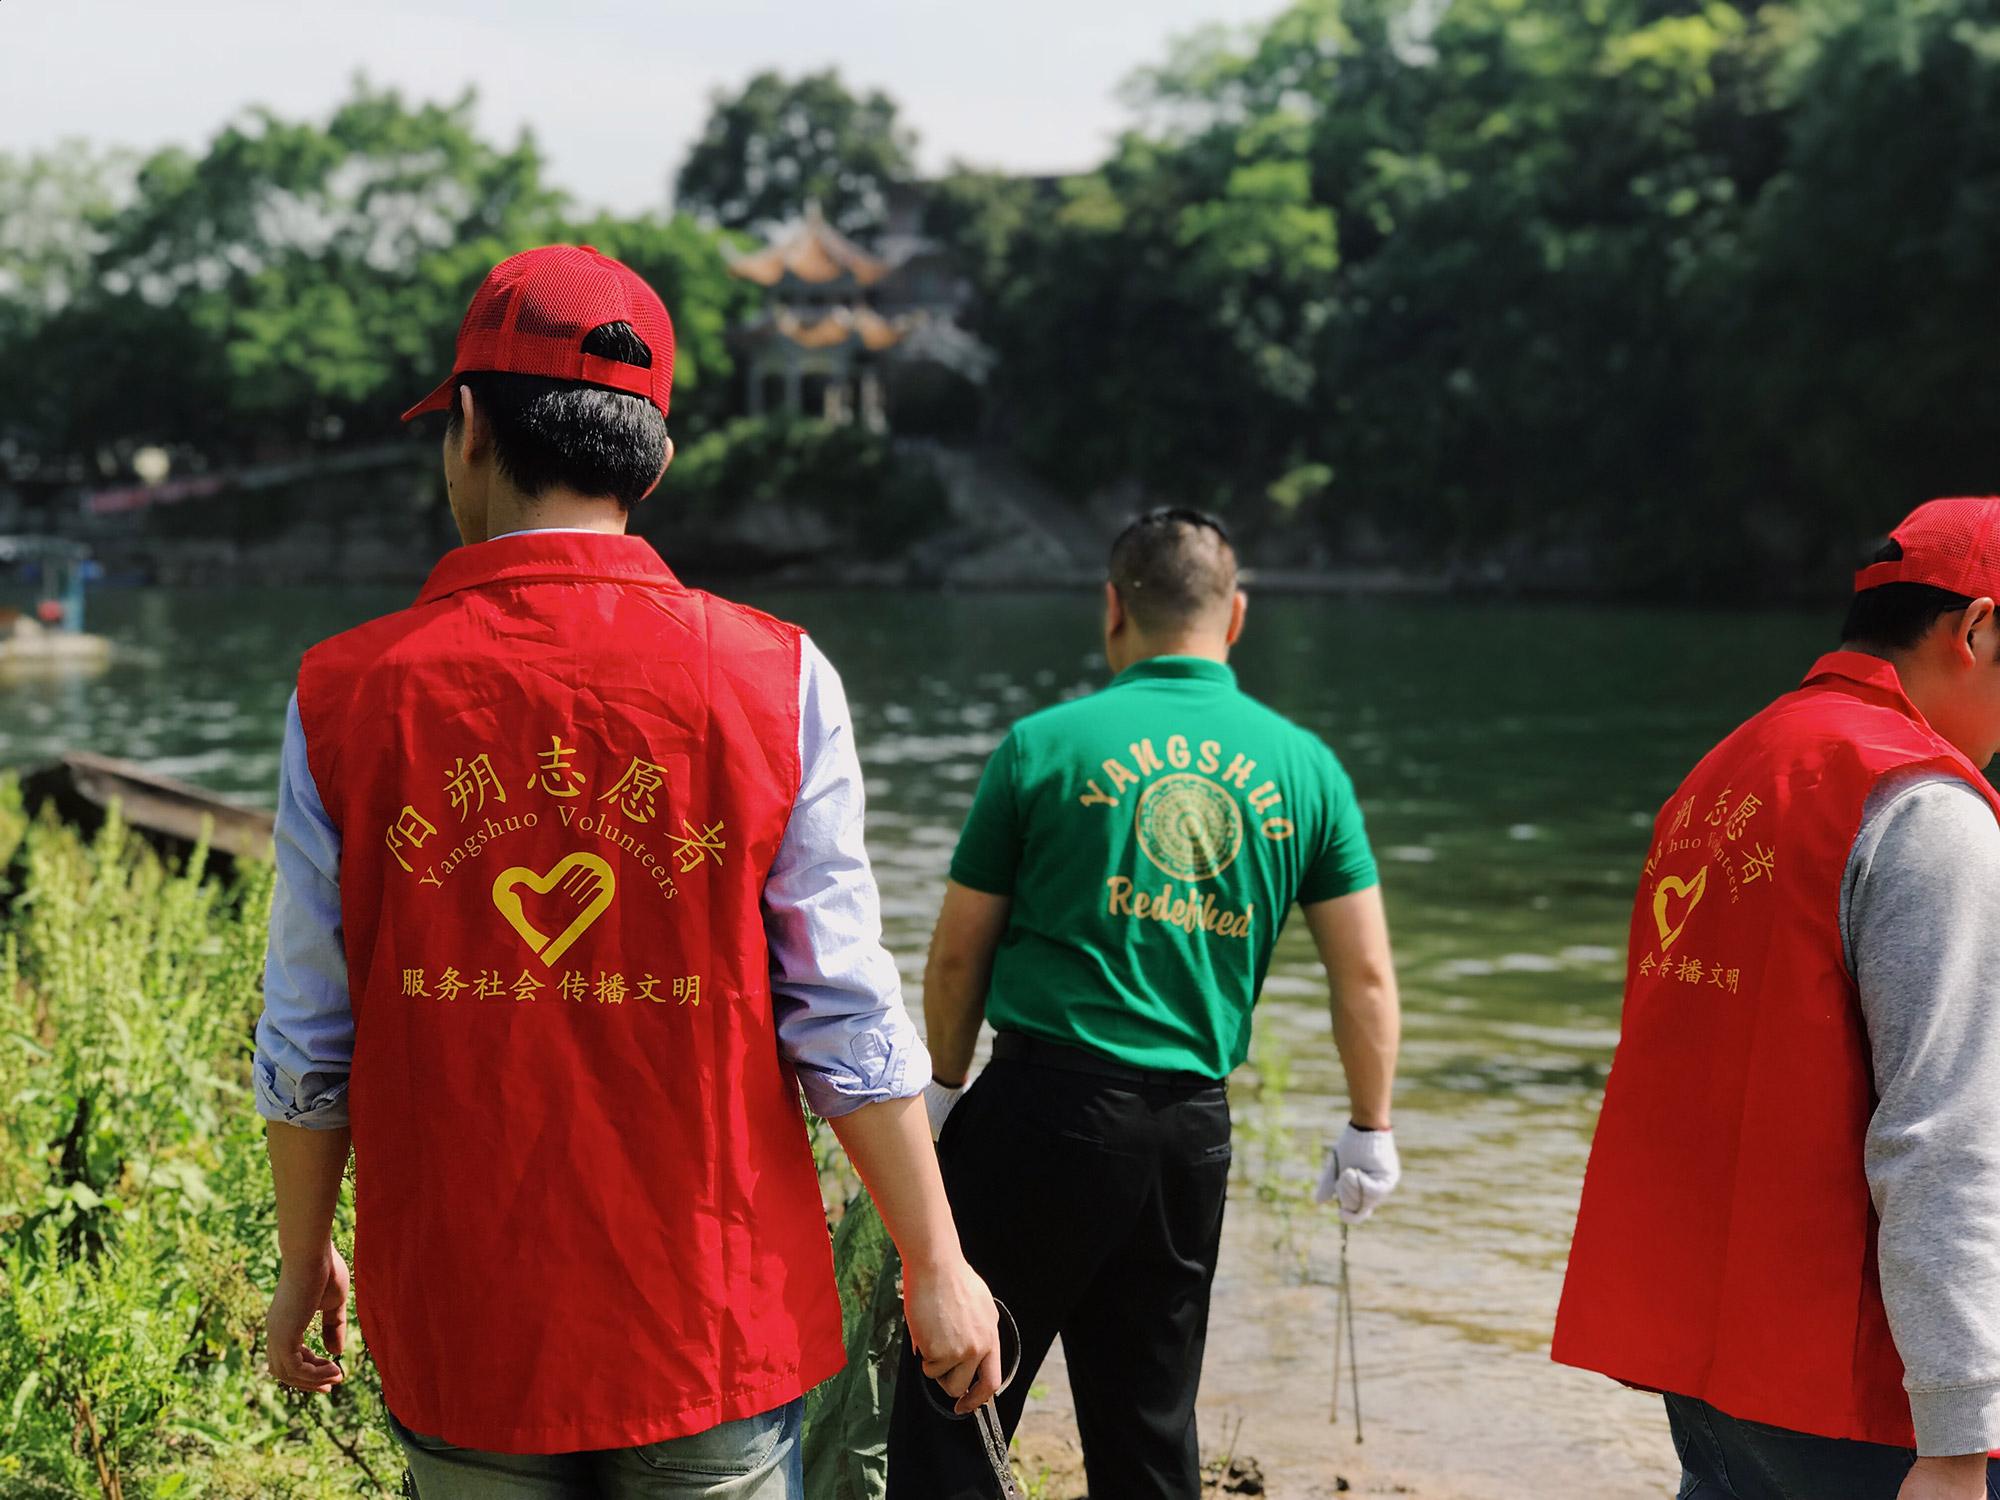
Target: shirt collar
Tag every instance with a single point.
(1198, 668)
(1872, 673)
(524, 556)
(1856, 666)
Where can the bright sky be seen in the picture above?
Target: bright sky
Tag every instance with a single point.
(614, 89)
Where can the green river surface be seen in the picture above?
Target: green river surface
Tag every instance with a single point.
(1509, 758)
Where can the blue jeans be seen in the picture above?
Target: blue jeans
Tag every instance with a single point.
(757, 1458)
(1726, 1459)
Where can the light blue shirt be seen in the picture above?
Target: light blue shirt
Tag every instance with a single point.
(838, 998)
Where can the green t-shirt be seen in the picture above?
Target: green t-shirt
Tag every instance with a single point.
(1153, 838)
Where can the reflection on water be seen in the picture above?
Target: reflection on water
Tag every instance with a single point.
(197, 684)
(1509, 760)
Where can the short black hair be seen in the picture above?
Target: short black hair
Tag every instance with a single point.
(583, 437)
(1895, 616)
(1172, 565)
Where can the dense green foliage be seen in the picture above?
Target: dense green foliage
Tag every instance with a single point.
(1675, 293)
(1679, 295)
(295, 283)
(870, 499)
(778, 145)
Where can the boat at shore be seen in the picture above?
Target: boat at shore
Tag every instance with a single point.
(48, 640)
(173, 816)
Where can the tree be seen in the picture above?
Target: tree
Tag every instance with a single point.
(979, 215)
(1436, 274)
(779, 145)
(1852, 326)
(298, 282)
(1531, 197)
(52, 209)
(1157, 325)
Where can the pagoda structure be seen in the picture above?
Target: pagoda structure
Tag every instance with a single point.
(817, 348)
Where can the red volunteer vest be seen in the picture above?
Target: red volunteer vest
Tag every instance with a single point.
(588, 1215)
(1725, 1248)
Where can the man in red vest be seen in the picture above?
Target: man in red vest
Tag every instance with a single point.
(1791, 1221)
(572, 899)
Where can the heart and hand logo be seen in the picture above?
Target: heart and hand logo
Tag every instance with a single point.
(1689, 892)
(576, 889)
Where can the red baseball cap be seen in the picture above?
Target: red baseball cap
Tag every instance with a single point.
(1952, 545)
(531, 314)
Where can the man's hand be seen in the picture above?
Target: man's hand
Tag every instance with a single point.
(1961, 1478)
(312, 1279)
(939, 1098)
(306, 1290)
(952, 1319)
(1361, 1171)
(956, 1330)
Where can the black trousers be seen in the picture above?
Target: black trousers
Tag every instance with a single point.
(1093, 1208)
(1726, 1459)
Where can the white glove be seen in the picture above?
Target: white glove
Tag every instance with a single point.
(1361, 1170)
(938, 1100)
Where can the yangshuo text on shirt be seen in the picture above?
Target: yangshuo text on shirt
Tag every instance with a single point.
(1188, 819)
(1183, 755)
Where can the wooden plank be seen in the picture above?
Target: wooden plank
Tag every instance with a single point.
(170, 814)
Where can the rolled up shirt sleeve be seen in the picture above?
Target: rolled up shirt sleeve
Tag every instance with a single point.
(839, 1000)
(1921, 920)
(305, 1036)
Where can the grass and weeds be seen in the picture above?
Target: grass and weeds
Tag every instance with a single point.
(137, 1234)
(1270, 1160)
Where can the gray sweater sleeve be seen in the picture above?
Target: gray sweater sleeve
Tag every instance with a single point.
(1920, 915)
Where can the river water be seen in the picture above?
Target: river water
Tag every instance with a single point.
(1509, 759)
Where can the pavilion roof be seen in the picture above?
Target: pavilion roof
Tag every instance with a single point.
(810, 253)
(862, 327)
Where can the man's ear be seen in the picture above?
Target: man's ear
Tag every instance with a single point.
(472, 435)
(1977, 638)
(666, 462)
(1238, 608)
(1114, 609)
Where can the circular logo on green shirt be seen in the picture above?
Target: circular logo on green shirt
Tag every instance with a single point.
(1189, 826)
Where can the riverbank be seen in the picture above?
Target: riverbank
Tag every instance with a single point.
(1459, 1398)
(750, 507)
(753, 504)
